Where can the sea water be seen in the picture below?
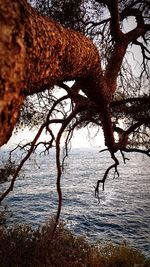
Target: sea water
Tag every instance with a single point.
(121, 215)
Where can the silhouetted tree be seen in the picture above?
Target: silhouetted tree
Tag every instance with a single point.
(37, 53)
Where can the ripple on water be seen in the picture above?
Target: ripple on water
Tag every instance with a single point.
(122, 214)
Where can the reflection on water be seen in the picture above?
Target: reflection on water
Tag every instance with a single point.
(124, 210)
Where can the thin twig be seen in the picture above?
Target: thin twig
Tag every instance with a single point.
(143, 151)
(58, 164)
(123, 156)
(10, 188)
(106, 174)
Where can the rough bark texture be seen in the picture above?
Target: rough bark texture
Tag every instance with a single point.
(56, 54)
(37, 53)
(12, 58)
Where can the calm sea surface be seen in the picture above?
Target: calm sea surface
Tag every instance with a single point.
(123, 213)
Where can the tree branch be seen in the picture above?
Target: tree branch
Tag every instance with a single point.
(10, 188)
(58, 164)
(115, 165)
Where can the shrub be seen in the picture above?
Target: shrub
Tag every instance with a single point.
(23, 246)
(6, 170)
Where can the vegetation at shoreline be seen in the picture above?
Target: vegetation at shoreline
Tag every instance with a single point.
(23, 246)
(103, 48)
(6, 170)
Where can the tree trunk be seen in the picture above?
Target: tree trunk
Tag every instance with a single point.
(12, 60)
(36, 53)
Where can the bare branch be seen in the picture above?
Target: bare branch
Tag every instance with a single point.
(145, 99)
(22, 162)
(116, 163)
(146, 152)
(58, 164)
(123, 156)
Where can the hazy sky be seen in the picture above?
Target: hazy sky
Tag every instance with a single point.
(80, 139)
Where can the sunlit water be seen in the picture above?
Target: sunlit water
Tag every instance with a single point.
(123, 213)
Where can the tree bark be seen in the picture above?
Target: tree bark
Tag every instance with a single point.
(12, 61)
(36, 53)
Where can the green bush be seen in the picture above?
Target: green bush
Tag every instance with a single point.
(6, 170)
(23, 246)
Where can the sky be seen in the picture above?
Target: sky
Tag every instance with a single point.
(80, 138)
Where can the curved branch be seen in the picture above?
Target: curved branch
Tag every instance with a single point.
(146, 152)
(144, 99)
(136, 125)
(10, 188)
(58, 101)
(58, 164)
(135, 13)
(31, 149)
(116, 163)
(36, 49)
